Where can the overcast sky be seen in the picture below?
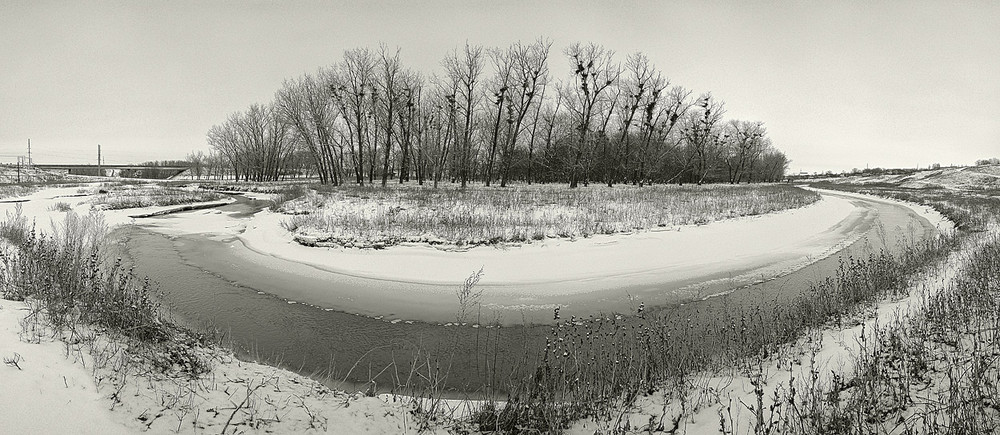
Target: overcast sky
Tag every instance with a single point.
(838, 84)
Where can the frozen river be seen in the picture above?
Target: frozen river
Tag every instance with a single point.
(316, 321)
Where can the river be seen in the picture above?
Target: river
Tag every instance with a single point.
(214, 283)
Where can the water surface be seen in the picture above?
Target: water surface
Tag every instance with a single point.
(215, 282)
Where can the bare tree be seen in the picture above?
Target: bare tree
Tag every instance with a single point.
(225, 141)
(503, 64)
(389, 85)
(197, 161)
(256, 143)
(534, 129)
(593, 73)
(411, 86)
(550, 117)
(641, 87)
(305, 105)
(466, 69)
(530, 76)
(604, 113)
(659, 130)
(422, 116)
(615, 123)
(744, 145)
(704, 137)
(442, 123)
(353, 92)
(268, 140)
(772, 166)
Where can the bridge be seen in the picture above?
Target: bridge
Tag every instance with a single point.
(124, 171)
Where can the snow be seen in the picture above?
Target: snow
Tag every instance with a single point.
(827, 352)
(50, 393)
(960, 178)
(935, 218)
(56, 391)
(760, 245)
(40, 206)
(418, 281)
(562, 265)
(56, 394)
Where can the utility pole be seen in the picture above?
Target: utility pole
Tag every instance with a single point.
(98, 160)
(19, 159)
(29, 152)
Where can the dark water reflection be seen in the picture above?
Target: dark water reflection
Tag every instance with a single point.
(338, 346)
(326, 344)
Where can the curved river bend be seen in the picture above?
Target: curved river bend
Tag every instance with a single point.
(217, 282)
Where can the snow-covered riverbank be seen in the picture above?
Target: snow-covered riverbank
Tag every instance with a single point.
(245, 394)
(606, 272)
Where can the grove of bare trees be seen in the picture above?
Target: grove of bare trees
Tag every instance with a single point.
(491, 115)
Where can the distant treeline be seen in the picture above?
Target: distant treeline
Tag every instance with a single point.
(166, 163)
(887, 171)
(492, 115)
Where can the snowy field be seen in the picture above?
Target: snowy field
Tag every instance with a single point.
(60, 380)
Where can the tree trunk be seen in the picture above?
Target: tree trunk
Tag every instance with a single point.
(493, 145)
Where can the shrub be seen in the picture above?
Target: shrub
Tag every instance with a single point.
(287, 194)
(61, 206)
(68, 278)
(126, 196)
(592, 367)
(369, 216)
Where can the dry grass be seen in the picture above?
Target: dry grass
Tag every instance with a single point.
(165, 378)
(70, 284)
(275, 187)
(369, 216)
(596, 367)
(15, 190)
(934, 371)
(121, 196)
(922, 357)
(936, 374)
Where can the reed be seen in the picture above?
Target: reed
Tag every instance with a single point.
(934, 370)
(378, 217)
(597, 367)
(71, 284)
(118, 196)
